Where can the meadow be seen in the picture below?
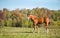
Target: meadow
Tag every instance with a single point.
(18, 32)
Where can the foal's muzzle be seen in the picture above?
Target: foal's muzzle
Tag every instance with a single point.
(28, 18)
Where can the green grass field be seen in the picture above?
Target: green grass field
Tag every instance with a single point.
(17, 32)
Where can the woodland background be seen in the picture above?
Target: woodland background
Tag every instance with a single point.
(18, 17)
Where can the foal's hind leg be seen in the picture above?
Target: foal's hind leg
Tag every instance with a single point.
(47, 27)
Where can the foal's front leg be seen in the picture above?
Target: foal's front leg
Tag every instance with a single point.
(35, 27)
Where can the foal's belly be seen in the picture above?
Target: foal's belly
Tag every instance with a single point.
(41, 21)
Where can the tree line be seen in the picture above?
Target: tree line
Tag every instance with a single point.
(18, 17)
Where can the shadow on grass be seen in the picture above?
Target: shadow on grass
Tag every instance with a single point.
(26, 32)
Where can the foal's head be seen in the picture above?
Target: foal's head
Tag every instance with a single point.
(29, 16)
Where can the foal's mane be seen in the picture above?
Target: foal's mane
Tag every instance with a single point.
(34, 15)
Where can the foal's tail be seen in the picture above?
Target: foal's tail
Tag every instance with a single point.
(49, 23)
